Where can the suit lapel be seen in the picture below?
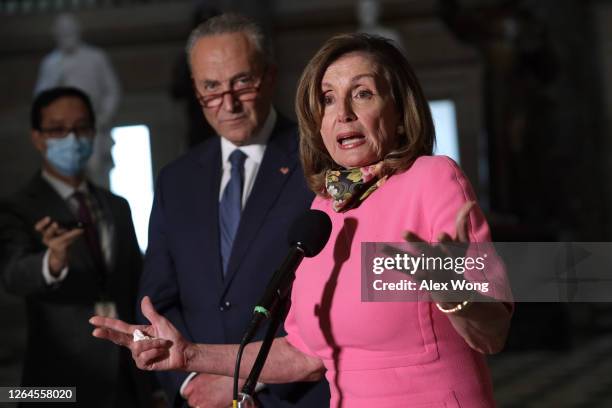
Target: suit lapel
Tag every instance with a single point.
(278, 163)
(207, 201)
(42, 193)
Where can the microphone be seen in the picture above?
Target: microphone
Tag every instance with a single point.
(307, 236)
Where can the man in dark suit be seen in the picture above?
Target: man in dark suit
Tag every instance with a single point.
(69, 248)
(219, 222)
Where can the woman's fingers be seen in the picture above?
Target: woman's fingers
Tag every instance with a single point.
(444, 237)
(412, 237)
(149, 353)
(142, 351)
(142, 346)
(114, 324)
(116, 337)
(149, 357)
(461, 222)
(115, 330)
(149, 311)
(461, 226)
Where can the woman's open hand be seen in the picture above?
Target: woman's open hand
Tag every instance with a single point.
(446, 247)
(164, 351)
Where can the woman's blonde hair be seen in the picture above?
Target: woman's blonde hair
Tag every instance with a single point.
(418, 136)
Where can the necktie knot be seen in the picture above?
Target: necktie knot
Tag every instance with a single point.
(236, 159)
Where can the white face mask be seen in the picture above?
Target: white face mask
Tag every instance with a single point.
(69, 154)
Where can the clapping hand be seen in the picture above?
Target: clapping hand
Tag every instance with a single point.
(165, 350)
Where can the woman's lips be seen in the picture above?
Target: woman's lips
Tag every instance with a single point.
(350, 140)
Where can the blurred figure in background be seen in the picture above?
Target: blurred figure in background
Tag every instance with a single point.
(74, 63)
(70, 249)
(368, 14)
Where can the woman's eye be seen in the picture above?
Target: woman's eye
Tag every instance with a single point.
(363, 94)
(327, 100)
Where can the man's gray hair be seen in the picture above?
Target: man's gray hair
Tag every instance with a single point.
(233, 23)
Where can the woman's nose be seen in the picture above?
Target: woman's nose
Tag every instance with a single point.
(346, 113)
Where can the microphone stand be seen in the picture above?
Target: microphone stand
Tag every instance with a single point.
(246, 398)
(273, 306)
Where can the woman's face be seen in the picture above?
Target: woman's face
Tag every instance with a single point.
(360, 120)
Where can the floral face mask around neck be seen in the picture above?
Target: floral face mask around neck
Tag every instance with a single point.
(348, 188)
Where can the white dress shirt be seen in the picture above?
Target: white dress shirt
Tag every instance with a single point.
(254, 151)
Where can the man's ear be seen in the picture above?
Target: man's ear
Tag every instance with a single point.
(38, 141)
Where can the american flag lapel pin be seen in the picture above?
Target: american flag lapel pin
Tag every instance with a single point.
(284, 170)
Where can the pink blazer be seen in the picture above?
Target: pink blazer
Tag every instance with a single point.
(389, 354)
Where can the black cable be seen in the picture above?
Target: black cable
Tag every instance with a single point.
(237, 370)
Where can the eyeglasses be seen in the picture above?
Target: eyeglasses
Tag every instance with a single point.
(244, 89)
(60, 131)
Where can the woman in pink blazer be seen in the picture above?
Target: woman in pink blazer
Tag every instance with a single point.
(366, 143)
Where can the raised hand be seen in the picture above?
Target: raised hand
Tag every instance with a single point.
(446, 246)
(58, 240)
(164, 351)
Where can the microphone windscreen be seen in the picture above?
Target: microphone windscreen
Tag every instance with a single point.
(311, 230)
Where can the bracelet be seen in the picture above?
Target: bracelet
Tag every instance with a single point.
(455, 309)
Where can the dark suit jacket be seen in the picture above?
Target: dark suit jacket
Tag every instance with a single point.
(61, 350)
(183, 273)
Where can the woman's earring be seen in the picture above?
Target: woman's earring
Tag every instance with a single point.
(400, 129)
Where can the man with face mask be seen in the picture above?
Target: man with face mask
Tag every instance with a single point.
(75, 63)
(70, 249)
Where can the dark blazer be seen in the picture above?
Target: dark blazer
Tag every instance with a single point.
(61, 350)
(183, 273)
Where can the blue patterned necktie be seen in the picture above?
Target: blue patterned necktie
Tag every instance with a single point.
(230, 206)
